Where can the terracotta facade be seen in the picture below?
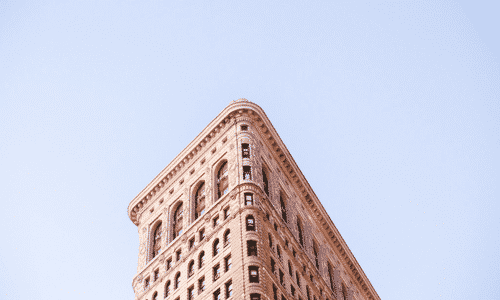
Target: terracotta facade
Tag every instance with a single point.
(233, 217)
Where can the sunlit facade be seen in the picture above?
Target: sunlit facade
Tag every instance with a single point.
(232, 217)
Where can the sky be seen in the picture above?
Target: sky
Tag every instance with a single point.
(390, 109)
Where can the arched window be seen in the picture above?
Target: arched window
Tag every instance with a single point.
(278, 251)
(216, 248)
(308, 293)
(167, 289)
(201, 259)
(344, 291)
(227, 238)
(155, 296)
(315, 250)
(199, 201)
(330, 276)
(283, 207)
(266, 182)
(177, 280)
(270, 241)
(191, 268)
(250, 222)
(299, 229)
(178, 220)
(222, 180)
(156, 245)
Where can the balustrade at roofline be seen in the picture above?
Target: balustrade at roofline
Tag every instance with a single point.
(252, 112)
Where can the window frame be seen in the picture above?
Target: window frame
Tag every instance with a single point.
(252, 248)
(229, 289)
(248, 198)
(216, 272)
(245, 150)
(177, 280)
(227, 263)
(250, 223)
(222, 178)
(253, 278)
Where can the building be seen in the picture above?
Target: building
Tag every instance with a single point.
(232, 217)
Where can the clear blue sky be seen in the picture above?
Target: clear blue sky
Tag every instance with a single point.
(390, 108)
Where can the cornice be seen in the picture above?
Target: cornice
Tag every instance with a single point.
(244, 109)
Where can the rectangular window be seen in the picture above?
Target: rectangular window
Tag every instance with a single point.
(245, 149)
(178, 255)
(216, 221)
(275, 292)
(227, 263)
(156, 274)
(244, 127)
(248, 199)
(201, 285)
(290, 269)
(247, 173)
(253, 274)
(252, 248)
(282, 278)
(202, 234)
(273, 266)
(255, 296)
(250, 223)
(217, 295)
(216, 271)
(146, 284)
(292, 290)
(298, 278)
(191, 293)
(226, 213)
(191, 243)
(229, 289)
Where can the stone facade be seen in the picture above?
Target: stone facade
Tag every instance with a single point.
(233, 217)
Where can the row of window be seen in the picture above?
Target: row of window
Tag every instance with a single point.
(280, 273)
(228, 288)
(216, 272)
(178, 216)
(201, 257)
(156, 241)
(253, 272)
